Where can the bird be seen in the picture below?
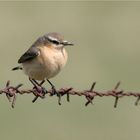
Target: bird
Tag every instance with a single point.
(45, 58)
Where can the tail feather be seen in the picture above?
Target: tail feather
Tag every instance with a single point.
(17, 68)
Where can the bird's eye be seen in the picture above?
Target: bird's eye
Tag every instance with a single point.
(55, 42)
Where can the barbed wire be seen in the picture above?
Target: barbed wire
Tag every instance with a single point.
(12, 91)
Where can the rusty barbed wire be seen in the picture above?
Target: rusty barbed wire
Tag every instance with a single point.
(12, 91)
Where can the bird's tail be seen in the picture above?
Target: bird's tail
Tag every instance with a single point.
(17, 68)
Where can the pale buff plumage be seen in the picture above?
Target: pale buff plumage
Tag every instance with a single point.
(47, 64)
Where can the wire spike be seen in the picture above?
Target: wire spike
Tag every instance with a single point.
(137, 101)
(116, 102)
(8, 83)
(18, 86)
(117, 85)
(92, 87)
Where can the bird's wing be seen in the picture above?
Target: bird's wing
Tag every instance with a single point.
(30, 54)
(33, 51)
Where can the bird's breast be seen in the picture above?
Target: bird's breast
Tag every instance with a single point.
(53, 60)
(47, 64)
(53, 57)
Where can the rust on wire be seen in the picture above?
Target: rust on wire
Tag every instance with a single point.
(11, 93)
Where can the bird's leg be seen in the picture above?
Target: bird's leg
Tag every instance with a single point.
(53, 88)
(44, 89)
(33, 82)
(39, 84)
(54, 92)
(42, 82)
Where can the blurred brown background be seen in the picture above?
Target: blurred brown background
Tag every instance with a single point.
(107, 50)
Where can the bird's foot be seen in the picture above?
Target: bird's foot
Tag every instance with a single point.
(40, 91)
(54, 91)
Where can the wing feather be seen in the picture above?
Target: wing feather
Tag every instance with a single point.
(33, 51)
(30, 54)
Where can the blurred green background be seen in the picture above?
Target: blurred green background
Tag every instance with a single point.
(107, 50)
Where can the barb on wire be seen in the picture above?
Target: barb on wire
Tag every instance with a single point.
(11, 93)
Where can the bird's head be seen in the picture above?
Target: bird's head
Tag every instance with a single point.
(57, 40)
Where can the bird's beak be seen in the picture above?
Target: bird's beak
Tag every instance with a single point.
(66, 43)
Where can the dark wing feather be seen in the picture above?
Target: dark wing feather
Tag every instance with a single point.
(33, 50)
(29, 55)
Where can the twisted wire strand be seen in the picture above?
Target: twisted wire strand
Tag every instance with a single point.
(12, 91)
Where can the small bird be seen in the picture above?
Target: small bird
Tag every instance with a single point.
(45, 58)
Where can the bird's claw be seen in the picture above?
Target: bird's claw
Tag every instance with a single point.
(41, 91)
(54, 92)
